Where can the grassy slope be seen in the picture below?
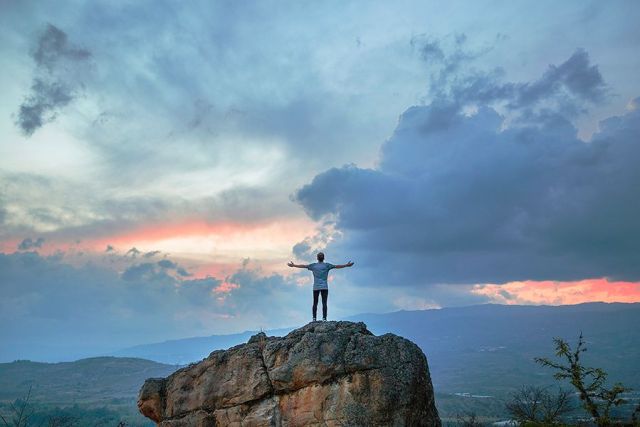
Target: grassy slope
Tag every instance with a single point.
(99, 380)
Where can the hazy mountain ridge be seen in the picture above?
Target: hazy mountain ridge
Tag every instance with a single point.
(492, 343)
(489, 348)
(188, 350)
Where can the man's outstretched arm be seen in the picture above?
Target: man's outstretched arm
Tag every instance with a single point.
(349, 264)
(291, 264)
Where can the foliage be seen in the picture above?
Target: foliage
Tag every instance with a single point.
(596, 399)
(468, 420)
(536, 406)
(21, 412)
(24, 413)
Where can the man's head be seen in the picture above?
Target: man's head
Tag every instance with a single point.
(320, 257)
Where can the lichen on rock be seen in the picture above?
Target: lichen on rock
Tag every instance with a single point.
(323, 374)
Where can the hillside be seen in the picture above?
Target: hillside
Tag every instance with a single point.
(94, 381)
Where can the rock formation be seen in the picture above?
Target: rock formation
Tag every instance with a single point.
(323, 374)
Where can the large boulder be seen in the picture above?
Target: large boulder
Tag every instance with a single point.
(323, 374)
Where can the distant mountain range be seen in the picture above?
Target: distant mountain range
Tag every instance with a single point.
(482, 349)
(489, 349)
(188, 350)
(477, 355)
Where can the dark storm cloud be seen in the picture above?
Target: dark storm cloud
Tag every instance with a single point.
(42, 103)
(576, 75)
(569, 88)
(147, 271)
(29, 243)
(165, 263)
(162, 271)
(180, 271)
(457, 198)
(302, 249)
(53, 45)
(55, 84)
(133, 252)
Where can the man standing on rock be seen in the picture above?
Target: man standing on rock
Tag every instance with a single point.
(320, 271)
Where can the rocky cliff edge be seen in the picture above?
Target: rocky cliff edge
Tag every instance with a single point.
(323, 374)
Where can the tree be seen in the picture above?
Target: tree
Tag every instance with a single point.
(635, 417)
(468, 420)
(21, 411)
(62, 421)
(596, 399)
(535, 405)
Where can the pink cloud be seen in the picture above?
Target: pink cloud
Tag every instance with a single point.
(225, 287)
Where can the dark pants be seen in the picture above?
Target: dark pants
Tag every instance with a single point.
(325, 294)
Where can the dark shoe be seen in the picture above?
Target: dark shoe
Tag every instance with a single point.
(314, 320)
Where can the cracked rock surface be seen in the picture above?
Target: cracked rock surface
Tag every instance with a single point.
(323, 374)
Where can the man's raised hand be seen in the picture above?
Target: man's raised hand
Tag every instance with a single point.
(290, 264)
(349, 264)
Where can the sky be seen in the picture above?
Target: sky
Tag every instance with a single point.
(162, 161)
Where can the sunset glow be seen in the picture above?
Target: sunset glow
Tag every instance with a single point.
(223, 239)
(557, 293)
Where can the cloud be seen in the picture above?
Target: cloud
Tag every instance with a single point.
(41, 104)
(270, 298)
(58, 311)
(182, 272)
(311, 245)
(56, 82)
(569, 88)
(133, 252)
(205, 107)
(235, 139)
(206, 125)
(29, 243)
(148, 272)
(53, 46)
(165, 271)
(495, 194)
(165, 263)
(64, 209)
(576, 76)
